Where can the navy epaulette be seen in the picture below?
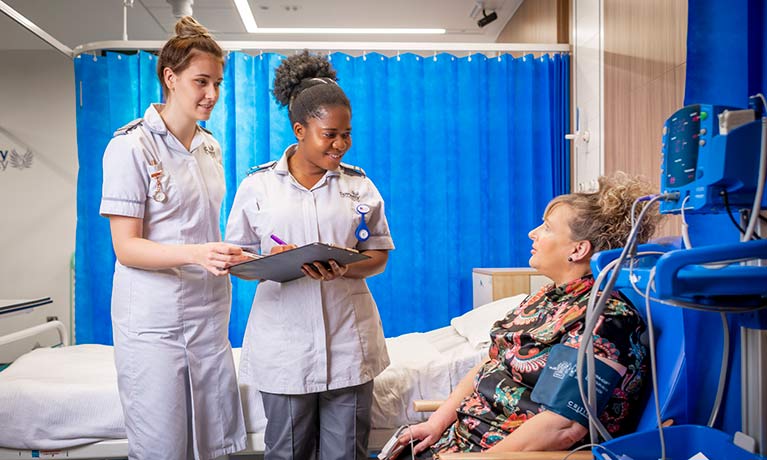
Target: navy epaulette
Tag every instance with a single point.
(262, 167)
(352, 170)
(129, 127)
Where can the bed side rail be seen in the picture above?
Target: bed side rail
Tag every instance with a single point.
(33, 331)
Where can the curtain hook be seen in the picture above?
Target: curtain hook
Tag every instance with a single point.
(499, 56)
(261, 54)
(435, 56)
(364, 55)
(398, 55)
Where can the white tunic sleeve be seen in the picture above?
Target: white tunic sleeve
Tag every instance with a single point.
(239, 230)
(126, 179)
(380, 236)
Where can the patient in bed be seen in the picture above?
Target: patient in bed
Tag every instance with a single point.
(493, 408)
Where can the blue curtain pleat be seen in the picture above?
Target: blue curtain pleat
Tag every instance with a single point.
(470, 176)
(466, 152)
(437, 217)
(92, 250)
(501, 200)
(149, 88)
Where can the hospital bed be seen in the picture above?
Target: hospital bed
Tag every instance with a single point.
(62, 402)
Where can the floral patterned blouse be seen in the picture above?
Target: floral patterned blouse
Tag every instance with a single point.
(520, 346)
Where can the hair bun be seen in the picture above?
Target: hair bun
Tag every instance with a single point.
(188, 27)
(297, 68)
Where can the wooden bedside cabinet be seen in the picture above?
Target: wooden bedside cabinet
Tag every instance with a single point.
(489, 284)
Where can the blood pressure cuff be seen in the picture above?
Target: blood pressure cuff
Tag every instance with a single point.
(557, 386)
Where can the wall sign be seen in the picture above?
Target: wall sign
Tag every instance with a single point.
(12, 155)
(15, 159)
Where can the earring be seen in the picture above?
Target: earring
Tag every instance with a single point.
(569, 259)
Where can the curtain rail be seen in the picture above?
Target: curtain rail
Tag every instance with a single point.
(123, 45)
(287, 45)
(35, 29)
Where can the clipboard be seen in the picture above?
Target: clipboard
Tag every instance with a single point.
(286, 266)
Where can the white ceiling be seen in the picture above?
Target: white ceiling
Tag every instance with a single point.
(77, 22)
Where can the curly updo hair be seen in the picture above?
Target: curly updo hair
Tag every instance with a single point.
(604, 217)
(306, 84)
(177, 53)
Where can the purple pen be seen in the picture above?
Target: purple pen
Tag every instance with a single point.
(278, 240)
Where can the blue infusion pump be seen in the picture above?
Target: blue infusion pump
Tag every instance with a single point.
(709, 151)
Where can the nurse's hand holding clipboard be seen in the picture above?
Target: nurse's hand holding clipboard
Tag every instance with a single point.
(317, 270)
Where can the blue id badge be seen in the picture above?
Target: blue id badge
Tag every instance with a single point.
(557, 386)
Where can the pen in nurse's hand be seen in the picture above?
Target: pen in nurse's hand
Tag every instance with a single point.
(277, 240)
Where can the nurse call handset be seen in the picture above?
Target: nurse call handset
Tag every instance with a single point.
(392, 448)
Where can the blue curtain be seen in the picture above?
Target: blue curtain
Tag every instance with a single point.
(726, 63)
(465, 151)
(111, 91)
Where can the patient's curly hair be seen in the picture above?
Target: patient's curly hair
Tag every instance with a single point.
(306, 84)
(604, 217)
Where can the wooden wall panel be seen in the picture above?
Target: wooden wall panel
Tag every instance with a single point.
(644, 70)
(538, 21)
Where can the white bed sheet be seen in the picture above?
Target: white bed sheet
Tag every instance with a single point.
(424, 366)
(64, 397)
(52, 398)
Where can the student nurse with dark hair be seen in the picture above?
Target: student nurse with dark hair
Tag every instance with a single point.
(313, 345)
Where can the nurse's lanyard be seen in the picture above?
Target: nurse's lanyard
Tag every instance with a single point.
(362, 233)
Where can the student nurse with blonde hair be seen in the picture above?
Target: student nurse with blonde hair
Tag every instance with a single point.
(162, 191)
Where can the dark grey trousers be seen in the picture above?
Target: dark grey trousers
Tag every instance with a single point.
(334, 424)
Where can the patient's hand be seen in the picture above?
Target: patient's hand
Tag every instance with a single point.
(427, 433)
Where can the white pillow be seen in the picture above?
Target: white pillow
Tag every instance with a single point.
(475, 324)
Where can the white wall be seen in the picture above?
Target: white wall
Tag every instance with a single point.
(37, 205)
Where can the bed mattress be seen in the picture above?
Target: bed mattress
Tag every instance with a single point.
(56, 398)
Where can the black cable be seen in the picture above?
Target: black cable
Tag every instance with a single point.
(726, 200)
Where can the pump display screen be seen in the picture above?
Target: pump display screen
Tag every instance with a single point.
(681, 133)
